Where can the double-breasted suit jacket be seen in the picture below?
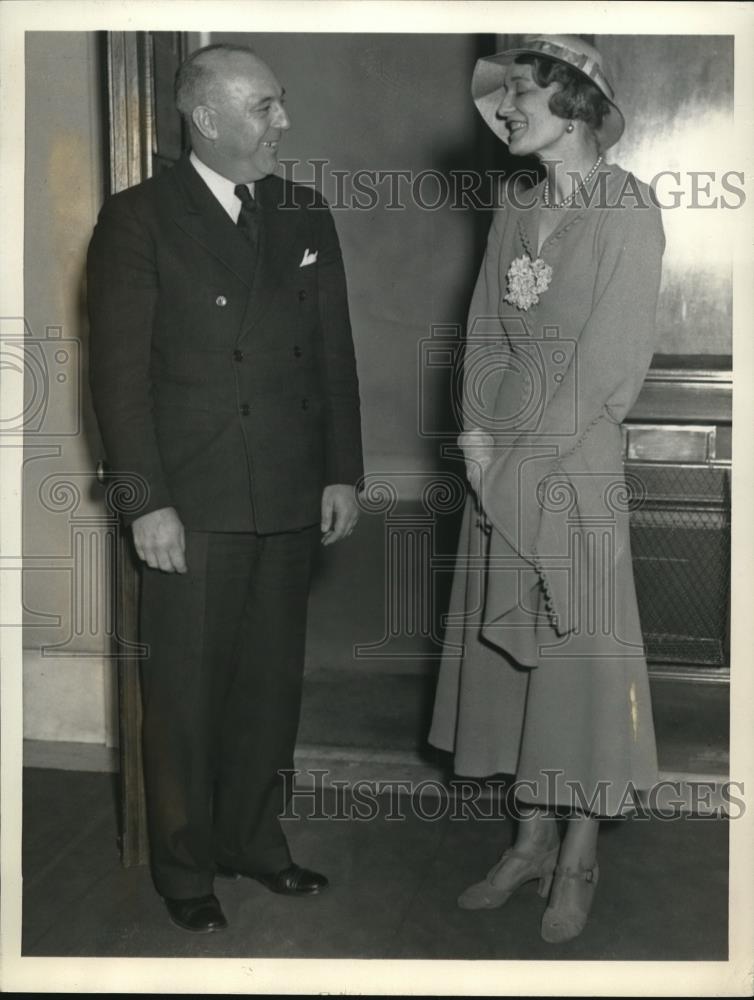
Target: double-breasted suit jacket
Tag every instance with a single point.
(226, 386)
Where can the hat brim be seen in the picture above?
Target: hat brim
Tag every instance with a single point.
(487, 92)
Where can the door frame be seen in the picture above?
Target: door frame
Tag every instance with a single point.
(132, 120)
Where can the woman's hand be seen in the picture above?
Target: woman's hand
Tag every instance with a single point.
(476, 445)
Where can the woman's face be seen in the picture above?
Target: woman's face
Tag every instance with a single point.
(532, 127)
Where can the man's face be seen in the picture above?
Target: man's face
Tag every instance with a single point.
(249, 116)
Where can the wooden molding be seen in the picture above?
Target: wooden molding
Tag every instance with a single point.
(132, 105)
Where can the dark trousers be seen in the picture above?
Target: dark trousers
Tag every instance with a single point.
(222, 695)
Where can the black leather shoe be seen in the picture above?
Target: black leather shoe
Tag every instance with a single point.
(294, 881)
(222, 871)
(291, 881)
(201, 914)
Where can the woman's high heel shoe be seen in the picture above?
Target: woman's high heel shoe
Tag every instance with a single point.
(570, 902)
(485, 895)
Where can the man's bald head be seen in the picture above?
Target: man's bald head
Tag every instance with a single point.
(201, 78)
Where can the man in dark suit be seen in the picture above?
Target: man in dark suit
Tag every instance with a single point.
(224, 381)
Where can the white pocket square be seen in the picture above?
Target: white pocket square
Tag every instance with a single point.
(308, 258)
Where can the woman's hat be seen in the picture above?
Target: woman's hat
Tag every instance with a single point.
(489, 76)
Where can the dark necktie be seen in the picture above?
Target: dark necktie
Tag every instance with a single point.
(248, 218)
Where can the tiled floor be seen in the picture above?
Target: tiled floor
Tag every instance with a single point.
(662, 894)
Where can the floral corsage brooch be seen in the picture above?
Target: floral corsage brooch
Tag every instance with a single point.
(527, 278)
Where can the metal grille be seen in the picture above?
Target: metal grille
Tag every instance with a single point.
(680, 540)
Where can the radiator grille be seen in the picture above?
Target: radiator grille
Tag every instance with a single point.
(680, 540)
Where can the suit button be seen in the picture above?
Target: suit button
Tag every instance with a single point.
(304, 404)
(296, 351)
(245, 409)
(302, 294)
(238, 355)
(221, 301)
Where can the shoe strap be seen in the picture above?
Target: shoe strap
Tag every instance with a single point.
(536, 861)
(588, 874)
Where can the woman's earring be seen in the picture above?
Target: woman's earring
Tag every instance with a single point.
(569, 127)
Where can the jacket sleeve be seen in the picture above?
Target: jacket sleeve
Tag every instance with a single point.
(122, 289)
(343, 454)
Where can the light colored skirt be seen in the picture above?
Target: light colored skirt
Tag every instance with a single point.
(573, 731)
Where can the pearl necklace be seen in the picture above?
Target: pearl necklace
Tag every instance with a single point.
(571, 197)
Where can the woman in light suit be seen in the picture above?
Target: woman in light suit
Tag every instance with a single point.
(551, 684)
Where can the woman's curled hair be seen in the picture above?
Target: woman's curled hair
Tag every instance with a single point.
(578, 98)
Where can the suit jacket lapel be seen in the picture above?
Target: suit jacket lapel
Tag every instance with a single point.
(200, 215)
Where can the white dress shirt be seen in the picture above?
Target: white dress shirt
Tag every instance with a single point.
(222, 188)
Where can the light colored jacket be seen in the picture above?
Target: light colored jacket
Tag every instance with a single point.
(551, 384)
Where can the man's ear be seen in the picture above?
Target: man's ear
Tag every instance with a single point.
(205, 121)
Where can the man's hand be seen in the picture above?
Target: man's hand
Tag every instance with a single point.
(160, 540)
(340, 512)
